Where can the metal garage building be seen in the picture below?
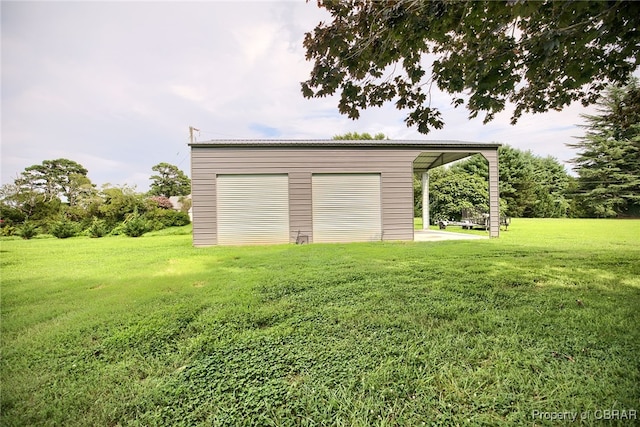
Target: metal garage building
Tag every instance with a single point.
(283, 191)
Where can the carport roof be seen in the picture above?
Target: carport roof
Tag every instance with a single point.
(436, 153)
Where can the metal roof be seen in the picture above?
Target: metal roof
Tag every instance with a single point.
(436, 153)
(435, 144)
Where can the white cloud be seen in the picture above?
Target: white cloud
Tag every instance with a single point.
(189, 93)
(255, 41)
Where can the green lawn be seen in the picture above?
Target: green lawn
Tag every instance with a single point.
(151, 331)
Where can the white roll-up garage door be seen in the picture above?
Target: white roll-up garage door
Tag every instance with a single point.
(346, 208)
(252, 209)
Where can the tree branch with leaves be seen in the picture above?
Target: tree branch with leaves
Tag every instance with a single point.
(537, 55)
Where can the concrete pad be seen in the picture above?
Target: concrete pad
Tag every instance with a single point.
(438, 235)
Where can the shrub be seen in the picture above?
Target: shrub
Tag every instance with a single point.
(168, 217)
(7, 230)
(98, 228)
(135, 225)
(155, 225)
(175, 218)
(117, 230)
(180, 219)
(64, 228)
(27, 231)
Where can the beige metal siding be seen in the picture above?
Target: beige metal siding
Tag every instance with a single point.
(253, 209)
(203, 194)
(300, 206)
(397, 205)
(346, 208)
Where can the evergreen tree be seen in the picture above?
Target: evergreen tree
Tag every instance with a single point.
(170, 181)
(551, 182)
(608, 162)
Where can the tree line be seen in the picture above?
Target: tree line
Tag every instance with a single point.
(530, 186)
(607, 165)
(57, 197)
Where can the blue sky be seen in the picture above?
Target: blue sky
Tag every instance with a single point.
(116, 85)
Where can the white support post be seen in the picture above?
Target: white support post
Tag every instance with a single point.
(425, 200)
(494, 196)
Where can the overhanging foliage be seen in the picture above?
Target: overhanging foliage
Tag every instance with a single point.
(539, 56)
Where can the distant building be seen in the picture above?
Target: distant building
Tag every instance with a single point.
(178, 204)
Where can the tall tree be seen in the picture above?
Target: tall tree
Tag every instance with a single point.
(20, 202)
(551, 183)
(538, 55)
(13, 206)
(78, 188)
(608, 162)
(59, 178)
(515, 177)
(452, 190)
(169, 181)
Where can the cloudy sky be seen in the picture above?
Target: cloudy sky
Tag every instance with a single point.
(116, 85)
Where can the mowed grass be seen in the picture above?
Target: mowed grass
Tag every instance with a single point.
(151, 331)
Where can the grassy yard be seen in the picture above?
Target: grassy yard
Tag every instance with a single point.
(150, 331)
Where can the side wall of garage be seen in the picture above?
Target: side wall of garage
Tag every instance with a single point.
(300, 164)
